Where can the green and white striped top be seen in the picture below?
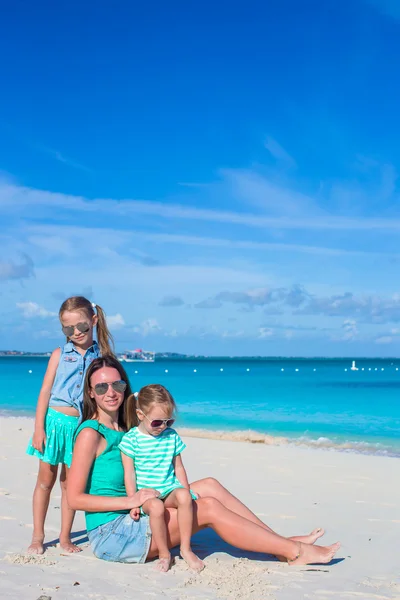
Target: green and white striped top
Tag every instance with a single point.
(153, 456)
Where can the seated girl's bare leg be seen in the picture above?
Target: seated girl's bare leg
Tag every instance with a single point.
(181, 499)
(67, 515)
(41, 497)
(155, 509)
(212, 488)
(244, 534)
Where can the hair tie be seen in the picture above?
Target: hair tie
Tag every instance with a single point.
(136, 394)
(94, 305)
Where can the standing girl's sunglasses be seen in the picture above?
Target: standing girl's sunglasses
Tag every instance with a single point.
(117, 386)
(69, 330)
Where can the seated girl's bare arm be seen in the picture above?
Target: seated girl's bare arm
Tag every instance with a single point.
(129, 474)
(180, 471)
(85, 452)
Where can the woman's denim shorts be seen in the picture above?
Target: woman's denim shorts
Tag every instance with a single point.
(122, 540)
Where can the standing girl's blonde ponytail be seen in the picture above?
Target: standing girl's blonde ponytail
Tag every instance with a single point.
(104, 337)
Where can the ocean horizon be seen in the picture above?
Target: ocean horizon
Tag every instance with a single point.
(317, 402)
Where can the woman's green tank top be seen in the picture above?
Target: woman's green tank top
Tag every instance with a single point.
(106, 477)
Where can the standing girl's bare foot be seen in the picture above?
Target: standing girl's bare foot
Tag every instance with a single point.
(192, 560)
(36, 546)
(308, 554)
(68, 546)
(309, 539)
(164, 563)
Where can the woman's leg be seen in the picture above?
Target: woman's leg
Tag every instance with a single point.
(244, 534)
(47, 476)
(212, 488)
(67, 515)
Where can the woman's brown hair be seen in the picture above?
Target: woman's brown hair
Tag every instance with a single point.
(104, 337)
(89, 403)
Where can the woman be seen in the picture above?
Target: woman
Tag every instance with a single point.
(96, 485)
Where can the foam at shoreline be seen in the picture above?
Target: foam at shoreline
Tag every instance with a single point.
(255, 437)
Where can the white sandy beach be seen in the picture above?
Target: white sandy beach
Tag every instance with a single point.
(356, 498)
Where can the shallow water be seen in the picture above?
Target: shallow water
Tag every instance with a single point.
(322, 403)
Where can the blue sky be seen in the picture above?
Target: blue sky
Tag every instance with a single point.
(222, 177)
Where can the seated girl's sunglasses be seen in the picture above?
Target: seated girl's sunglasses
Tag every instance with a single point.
(117, 386)
(68, 330)
(159, 422)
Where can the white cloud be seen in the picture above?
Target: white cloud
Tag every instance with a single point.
(385, 339)
(350, 330)
(300, 212)
(265, 332)
(278, 152)
(32, 309)
(115, 321)
(10, 270)
(148, 327)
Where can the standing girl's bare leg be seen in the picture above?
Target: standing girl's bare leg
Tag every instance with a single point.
(244, 534)
(46, 479)
(212, 488)
(67, 515)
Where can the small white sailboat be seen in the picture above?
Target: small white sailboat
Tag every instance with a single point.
(353, 366)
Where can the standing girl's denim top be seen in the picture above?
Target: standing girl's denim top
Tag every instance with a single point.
(67, 388)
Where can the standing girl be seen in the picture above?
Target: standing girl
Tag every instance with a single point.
(59, 408)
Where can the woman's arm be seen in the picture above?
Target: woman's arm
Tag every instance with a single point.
(85, 450)
(180, 471)
(129, 474)
(39, 437)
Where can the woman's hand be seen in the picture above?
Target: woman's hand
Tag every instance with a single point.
(39, 440)
(141, 496)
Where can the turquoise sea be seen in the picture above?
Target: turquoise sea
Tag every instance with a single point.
(312, 402)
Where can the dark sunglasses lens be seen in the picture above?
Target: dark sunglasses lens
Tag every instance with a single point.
(170, 422)
(101, 388)
(156, 423)
(119, 386)
(68, 331)
(83, 327)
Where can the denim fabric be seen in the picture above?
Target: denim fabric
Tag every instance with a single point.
(122, 540)
(67, 388)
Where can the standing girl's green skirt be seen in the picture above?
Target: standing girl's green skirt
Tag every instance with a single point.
(59, 430)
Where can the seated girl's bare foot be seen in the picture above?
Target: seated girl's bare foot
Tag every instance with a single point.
(68, 546)
(309, 539)
(192, 560)
(164, 563)
(36, 546)
(309, 554)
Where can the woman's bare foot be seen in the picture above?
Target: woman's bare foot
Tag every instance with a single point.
(309, 554)
(164, 563)
(36, 546)
(68, 546)
(309, 539)
(192, 560)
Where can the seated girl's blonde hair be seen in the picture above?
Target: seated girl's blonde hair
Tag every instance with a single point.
(149, 395)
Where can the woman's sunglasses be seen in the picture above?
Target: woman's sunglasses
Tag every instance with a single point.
(69, 330)
(117, 386)
(159, 422)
